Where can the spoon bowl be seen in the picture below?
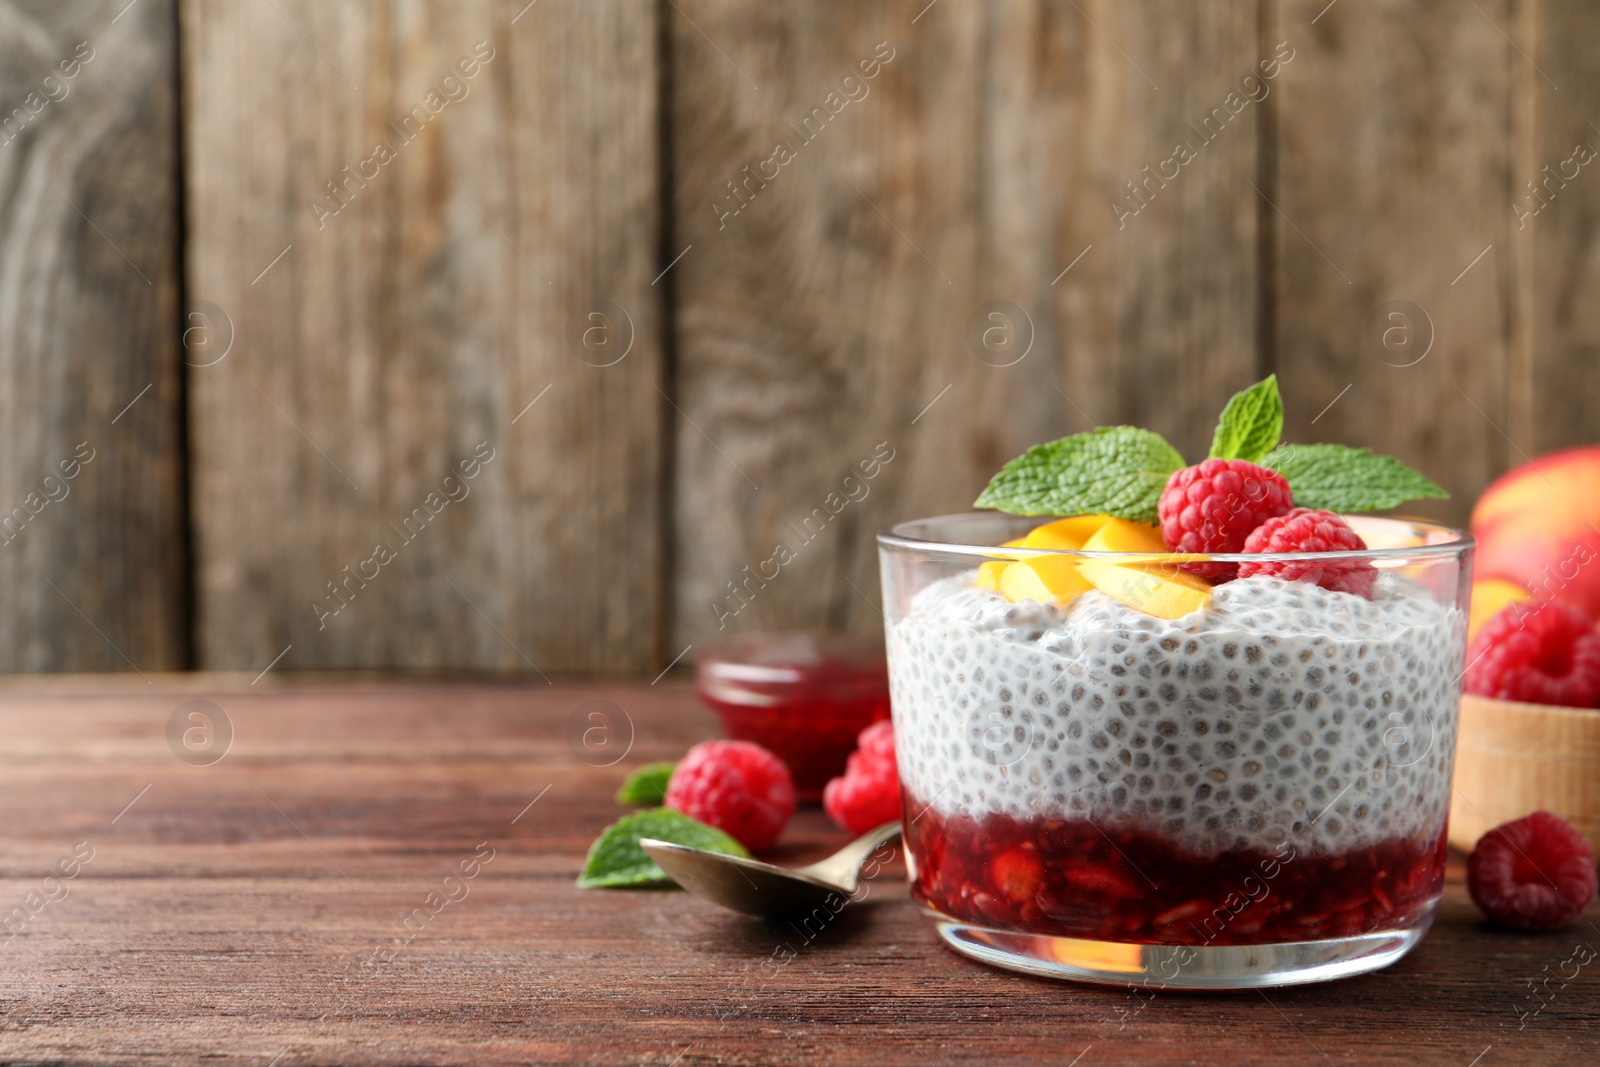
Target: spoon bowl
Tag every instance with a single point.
(765, 889)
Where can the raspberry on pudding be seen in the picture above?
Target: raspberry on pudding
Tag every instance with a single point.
(1213, 507)
(1310, 530)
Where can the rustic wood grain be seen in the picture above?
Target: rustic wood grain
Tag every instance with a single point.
(820, 321)
(831, 313)
(630, 512)
(93, 566)
(1556, 231)
(224, 916)
(421, 320)
(1393, 154)
(1157, 324)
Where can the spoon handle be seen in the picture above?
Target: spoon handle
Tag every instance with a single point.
(843, 866)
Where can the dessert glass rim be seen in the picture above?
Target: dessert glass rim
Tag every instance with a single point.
(902, 536)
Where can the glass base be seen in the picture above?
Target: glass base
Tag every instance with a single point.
(1156, 967)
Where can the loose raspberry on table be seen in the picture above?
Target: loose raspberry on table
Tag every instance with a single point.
(736, 786)
(1535, 873)
(876, 743)
(1311, 530)
(1544, 655)
(1213, 506)
(867, 795)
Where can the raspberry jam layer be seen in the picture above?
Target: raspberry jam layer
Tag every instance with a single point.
(1065, 877)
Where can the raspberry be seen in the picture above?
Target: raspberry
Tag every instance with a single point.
(1311, 530)
(736, 786)
(1535, 873)
(868, 793)
(876, 744)
(1550, 655)
(1213, 506)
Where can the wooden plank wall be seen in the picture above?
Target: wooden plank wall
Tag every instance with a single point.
(1392, 257)
(827, 315)
(1118, 187)
(502, 177)
(92, 554)
(1558, 338)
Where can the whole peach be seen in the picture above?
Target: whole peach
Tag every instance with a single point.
(1538, 526)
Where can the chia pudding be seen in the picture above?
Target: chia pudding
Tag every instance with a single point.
(1274, 767)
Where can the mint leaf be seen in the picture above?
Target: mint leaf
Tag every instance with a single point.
(1339, 478)
(647, 786)
(615, 858)
(1117, 470)
(1251, 423)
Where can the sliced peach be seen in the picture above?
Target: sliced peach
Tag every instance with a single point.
(1043, 579)
(1155, 589)
(1489, 597)
(1066, 534)
(989, 572)
(1121, 535)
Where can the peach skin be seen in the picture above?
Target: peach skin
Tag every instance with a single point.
(1538, 527)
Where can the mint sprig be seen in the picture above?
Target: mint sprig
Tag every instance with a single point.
(616, 858)
(647, 786)
(1343, 479)
(1115, 470)
(1251, 424)
(1121, 470)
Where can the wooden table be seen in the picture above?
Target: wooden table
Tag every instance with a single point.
(254, 911)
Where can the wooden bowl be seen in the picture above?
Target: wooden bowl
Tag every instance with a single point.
(1513, 759)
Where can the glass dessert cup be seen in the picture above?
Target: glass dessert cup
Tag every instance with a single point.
(803, 696)
(1250, 795)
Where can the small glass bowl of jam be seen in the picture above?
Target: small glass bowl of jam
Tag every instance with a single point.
(803, 696)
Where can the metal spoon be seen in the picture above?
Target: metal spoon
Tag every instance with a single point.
(757, 888)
